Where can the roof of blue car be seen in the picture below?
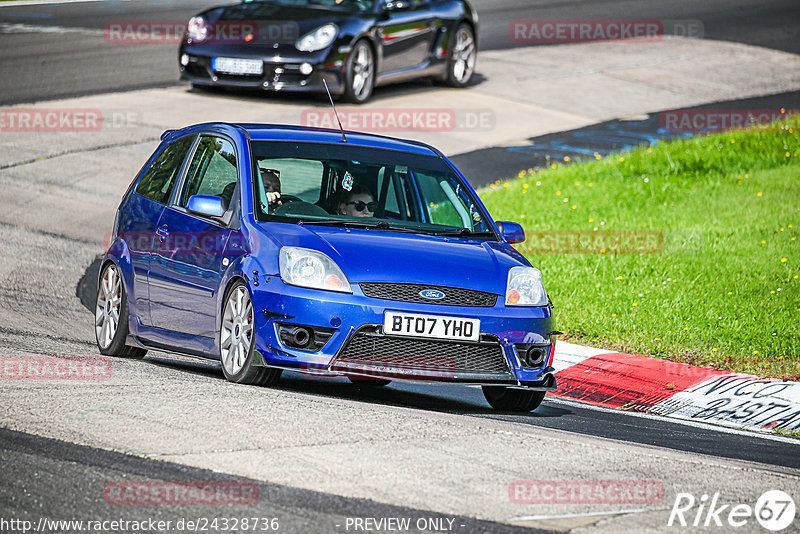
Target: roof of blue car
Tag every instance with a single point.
(324, 135)
(282, 132)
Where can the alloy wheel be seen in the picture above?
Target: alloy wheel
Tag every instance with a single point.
(109, 304)
(362, 72)
(237, 330)
(463, 55)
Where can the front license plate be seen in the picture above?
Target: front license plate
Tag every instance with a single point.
(233, 65)
(434, 326)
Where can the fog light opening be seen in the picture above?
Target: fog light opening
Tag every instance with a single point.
(301, 337)
(306, 69)
(184, 59)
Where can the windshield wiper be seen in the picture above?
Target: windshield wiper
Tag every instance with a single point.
(463, 232)
(378, 225)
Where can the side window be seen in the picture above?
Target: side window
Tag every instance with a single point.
(298, 177)
(212, 171)
(443, 203)
(159, 179)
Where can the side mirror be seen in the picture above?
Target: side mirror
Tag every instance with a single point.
(512, 232)
(205, 205)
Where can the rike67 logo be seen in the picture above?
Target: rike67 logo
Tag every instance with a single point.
(774, 510)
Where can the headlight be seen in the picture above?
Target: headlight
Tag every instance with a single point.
(309, 268)
(525, 287)
(197, 30)
(318, 39)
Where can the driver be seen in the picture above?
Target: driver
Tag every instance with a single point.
(358, 203)
(270, 179)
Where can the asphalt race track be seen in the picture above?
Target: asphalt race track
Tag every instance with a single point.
(69, 55)
(324, 452)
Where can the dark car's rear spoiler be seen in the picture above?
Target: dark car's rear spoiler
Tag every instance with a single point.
(167, 133)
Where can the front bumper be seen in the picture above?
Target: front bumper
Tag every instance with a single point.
(357, 345)
(279, 74)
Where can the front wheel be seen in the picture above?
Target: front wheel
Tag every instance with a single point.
(463, 55)
(359, 74)
(236, 340)
(512, 400)
(111, 316)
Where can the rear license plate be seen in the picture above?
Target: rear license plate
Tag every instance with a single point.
(433, 326)
(232, 65)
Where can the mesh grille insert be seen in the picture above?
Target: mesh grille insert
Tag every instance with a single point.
(454, 296)
(376, 350)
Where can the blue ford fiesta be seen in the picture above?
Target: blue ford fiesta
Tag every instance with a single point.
(275, 247)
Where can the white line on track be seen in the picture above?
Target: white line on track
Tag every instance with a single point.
(44, 2)
(696, 424)
(6, 28)
(569, 516)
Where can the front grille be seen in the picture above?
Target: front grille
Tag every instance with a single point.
(285, 74)
(373, 350)
(454, 296)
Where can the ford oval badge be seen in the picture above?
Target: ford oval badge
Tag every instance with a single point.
(432, 294)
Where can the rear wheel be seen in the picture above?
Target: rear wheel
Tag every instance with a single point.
(236, 340)
(359, 74)
(512, 400)
(111, 316)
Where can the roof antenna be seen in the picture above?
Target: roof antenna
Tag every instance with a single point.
(344, 139)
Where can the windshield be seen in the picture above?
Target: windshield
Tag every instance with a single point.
(349, 5)
(318, 183)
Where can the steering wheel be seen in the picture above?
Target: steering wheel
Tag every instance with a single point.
(292, 205)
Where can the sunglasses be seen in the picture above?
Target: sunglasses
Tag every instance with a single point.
(275, 171)
(359, 205)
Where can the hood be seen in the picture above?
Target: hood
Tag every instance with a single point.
(273, 23)
(385, 256)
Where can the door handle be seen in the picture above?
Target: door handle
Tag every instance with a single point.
(162, 232)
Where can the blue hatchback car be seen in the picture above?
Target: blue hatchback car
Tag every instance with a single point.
(275, 247)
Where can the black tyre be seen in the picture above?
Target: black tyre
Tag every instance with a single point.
(236, 336)
(360, 73)
(512, 400)
(111, 316)
(463, 56)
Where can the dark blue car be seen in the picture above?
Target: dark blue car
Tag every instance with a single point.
(277, 247)
(351, 45)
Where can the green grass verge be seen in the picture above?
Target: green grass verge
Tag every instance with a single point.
(722, 287)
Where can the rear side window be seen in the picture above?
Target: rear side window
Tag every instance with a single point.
(212, 171)
(159, 179)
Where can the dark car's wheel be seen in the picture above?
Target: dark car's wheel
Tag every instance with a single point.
(512, 400)
(360, 73)
(368, 381)
(111, 316)
(236, 340)
(463, 56)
